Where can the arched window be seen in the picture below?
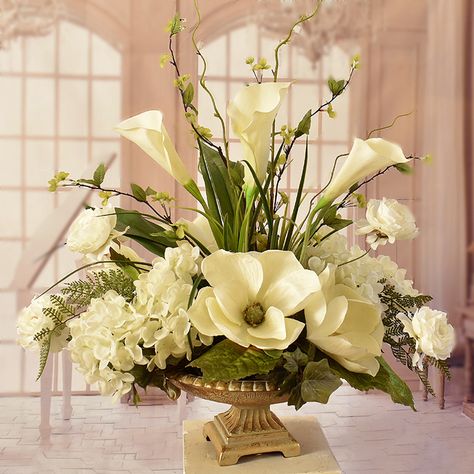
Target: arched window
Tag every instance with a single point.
(60, 95)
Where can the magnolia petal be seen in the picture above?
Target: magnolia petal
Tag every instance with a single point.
(366, 365)
(273, 326)
(290, 292)
(335, 316)
(276, 265)
(293, 329)
(148, 132)
(234, 332)
(239, 272)
(199, 314)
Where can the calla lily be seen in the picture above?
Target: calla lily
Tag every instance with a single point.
(345, 325)
(365, 158)
(252, 113)
(148, 132)
(252, 296)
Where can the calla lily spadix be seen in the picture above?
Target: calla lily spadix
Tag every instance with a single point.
(148, 132)
(251, 114)
(252, 296)
(365, 158)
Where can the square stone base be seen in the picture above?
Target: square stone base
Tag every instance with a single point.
(316, 456)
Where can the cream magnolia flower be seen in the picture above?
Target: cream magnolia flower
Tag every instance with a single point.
(200, 229)
(92, 231)
(365, 158)
(252, 113)
(344, 325)
(251, 296)
(434, 336)
(32, 320)
(386, 221)
(148, 132)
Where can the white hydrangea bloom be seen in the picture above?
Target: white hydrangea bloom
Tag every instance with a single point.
(163, 295)
(183, 260)
(364, 274)
(32, 320)
(105, 343)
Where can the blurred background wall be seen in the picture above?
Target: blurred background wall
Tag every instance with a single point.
(97, 61)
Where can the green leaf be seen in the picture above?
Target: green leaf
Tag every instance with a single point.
(188, 94)
(138, 192)
(332, 219)
(319, 382)
(304, 126)
(295, 360)
(404, 168)
(218, 184)
(150, 235)
(128, 269)
(99, 174)
(87, 181)
(295, 399)
(44, 354)
(228, 361)
(336, 87)
(386, 380)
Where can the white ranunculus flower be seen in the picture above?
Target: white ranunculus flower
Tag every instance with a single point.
(200, 229)
(387, 220)
(32, 320)
(344, 325)
(434, 336)
(148, 132)
(92, 231)
(251, 296)
(365, 158)
(252, 113)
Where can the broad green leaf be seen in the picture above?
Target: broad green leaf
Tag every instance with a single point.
(319, 382)
(228, 361)
(188, 94)
(295, 398)
(99, 174)
(304, 126)
(150, 235)
(386, 380)
(138, 192)
(295, 360)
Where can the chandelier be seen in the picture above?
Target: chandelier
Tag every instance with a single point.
(337, 22)
(26, 18)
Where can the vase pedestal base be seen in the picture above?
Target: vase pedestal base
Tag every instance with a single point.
(244, 431)
(315, 456)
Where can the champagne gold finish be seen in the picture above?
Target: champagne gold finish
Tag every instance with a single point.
(249, 426)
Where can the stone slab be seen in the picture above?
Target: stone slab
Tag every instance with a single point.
(316, 455)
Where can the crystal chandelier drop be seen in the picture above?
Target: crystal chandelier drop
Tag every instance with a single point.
(337, 22)
(26, 18)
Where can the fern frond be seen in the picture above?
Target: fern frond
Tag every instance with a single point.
(44, 353)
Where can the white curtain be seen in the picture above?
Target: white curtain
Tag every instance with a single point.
(443, 245)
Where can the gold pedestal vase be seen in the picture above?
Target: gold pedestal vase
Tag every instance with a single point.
(249, 426)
